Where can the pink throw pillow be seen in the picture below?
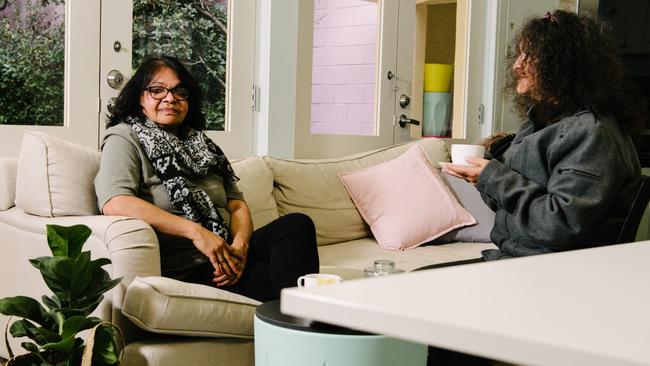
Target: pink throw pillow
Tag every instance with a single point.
(405, 201)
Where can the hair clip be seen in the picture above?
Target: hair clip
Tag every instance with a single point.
(551, 17)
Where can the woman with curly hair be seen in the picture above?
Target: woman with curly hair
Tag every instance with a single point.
(569, 176)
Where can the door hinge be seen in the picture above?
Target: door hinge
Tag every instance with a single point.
(481, 114)
(255, 98)
(99, 105)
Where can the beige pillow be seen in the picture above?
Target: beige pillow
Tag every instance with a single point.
(256, 182)
(312, 187)
(7, 182)
(55, 177)
(405, 201)
(164, 305)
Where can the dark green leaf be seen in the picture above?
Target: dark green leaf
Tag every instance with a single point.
(81, 277)
(31, 347)
(97, 263)
(25, 307)
(52, 302)
(75, 324)
(25, 328)
(65, 346)
(106, 351)
(57, 273)
(96, 291)
(67, 240)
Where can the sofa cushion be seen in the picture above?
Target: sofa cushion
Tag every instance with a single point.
(471, 199)
(361, 253)
(167, 306)
(312, 187)
(55, 177)
(256, 182)
(405, 201)
(7, 182)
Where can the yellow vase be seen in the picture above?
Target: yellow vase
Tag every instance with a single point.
(437, 77)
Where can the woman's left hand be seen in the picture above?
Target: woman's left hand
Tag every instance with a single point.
(238, 254)
(241, 228)
(468, 173)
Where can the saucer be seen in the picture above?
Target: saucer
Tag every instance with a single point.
(444, 163)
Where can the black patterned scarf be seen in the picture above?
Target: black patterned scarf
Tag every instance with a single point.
(176, 161)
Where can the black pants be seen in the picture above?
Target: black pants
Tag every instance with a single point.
(279, 253)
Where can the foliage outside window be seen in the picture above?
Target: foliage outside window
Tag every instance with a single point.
(31, 63)
(32, 53)
(195, 31)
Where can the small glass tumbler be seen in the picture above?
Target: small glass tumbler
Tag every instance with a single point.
(382, 267)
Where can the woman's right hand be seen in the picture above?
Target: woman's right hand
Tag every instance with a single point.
(217, 250)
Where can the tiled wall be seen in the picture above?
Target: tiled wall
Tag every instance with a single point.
(344, 67)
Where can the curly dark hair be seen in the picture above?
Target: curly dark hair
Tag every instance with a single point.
(575, 66)
(128, 101)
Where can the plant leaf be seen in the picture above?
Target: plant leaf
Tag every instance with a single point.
(25, 307)
(76, 324)
(81, 277)
(67, 240)
(25, 328)
(57, 273)
(31, 347)
(99, 262)
(66, 345)
(52, 302)
(105, 350)
(95, 294)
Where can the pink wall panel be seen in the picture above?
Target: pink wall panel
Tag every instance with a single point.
(344, 67)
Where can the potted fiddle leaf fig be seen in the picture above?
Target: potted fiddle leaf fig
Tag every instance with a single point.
(78, 284)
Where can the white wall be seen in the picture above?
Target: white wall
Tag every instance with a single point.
(277, 50)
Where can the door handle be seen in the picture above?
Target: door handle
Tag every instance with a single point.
(403, 121)
(110, 105)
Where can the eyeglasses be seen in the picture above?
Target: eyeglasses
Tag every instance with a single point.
(160, 92)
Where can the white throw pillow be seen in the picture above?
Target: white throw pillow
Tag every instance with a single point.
(55, 177)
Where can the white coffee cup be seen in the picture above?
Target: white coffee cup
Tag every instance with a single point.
(318, 279)
(460, 151)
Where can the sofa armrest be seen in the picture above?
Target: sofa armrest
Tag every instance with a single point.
(131, 244)
(167, 306)
(133, 248)
(7, 182)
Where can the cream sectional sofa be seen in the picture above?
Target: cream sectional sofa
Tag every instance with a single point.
(167, 322)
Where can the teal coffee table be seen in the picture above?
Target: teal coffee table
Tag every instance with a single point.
(283, 340)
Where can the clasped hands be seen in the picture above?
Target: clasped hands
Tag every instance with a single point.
(469, 173)
(228, 260)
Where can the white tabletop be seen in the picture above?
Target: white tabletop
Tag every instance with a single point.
(585, 307)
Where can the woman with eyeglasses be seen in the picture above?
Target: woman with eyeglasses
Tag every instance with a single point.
(158, 166)
(570, 174)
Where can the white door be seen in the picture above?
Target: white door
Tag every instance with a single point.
(73, 115)
(392, 77)
(233, 131)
